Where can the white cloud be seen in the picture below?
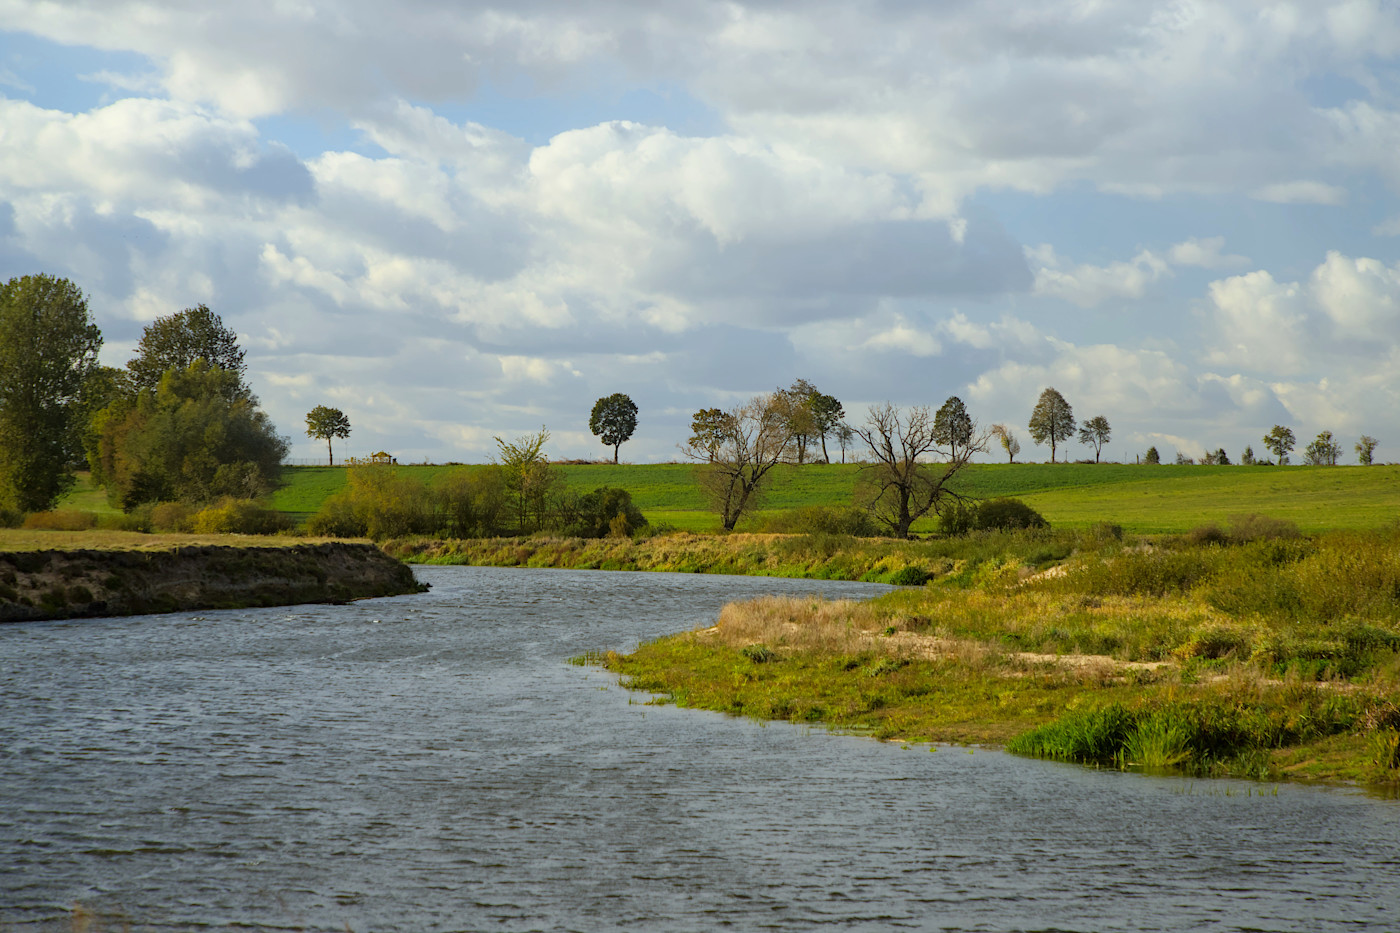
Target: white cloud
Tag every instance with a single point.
(1089, 285)
(1260, 323)
(1205, 253)
(902, 338)
(1302, 192)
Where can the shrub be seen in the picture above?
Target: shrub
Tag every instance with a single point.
(909, 576)
(60, 520)
(172, 517)
(604, 511)
(1206, 535)
(10, 518)
(1007, 515)
(471, 502)
(821, 519)
(240, 516)
(956, 519)
(1255, 527)
(138, 519)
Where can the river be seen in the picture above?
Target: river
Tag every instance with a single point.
(432, 763)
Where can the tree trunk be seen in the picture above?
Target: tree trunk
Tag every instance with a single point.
(330, 455)
(615, 447)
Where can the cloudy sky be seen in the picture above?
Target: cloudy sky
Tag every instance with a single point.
(454, 220)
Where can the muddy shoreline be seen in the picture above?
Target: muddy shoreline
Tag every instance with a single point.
(64, 584)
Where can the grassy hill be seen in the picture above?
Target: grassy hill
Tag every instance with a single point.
(1140, 498)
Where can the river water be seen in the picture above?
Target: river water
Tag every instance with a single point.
(431, 763)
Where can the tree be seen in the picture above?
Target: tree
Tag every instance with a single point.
(326, 423)
(48, 350)
(952, 425)
(708, 429)
(1052, 420)
(197, 437)
(1008, 441)
(529, 479)
(1280, 441)
(177, 340)
(794, 404)
(845, 437)
(1095, 433)
(1323, 451)
(1247, 458)
(897, 486)
(1152, 457)
(1365, 449)
(735, 460)
(827, 413)
(613, 420)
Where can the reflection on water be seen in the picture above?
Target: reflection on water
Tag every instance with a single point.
(431, 763)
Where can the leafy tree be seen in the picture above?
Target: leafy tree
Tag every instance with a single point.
(48, 350)
(326, 423)
(1280, 441)
(1247, 458)
(1323, 451)
(1052, 420)
(734, 460)
(1217, 457)
(613, 420)
(177, 340)
(794, 404)
(1365, 449)
(827, 413)
(1008, 441)
(897, 486)
(1183, 460)
(1152, 457)
(708, 429)
(952, 425)
(1095, 433)
(198, 436)
(530, 481)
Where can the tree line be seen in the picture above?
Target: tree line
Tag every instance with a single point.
(178, 422)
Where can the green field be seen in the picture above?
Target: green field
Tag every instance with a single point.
(1142, 499)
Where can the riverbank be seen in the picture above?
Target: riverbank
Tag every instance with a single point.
(82, 583)
(1255, 653)
(810, 557)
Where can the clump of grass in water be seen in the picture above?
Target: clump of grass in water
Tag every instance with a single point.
(591, 658)
(1156, 744)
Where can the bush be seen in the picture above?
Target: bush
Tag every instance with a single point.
(240, 516)
(1007, 515)
(956, 519)
(10, 518)
(175, 517)
(909, 576)
(822, 519)
(138, 519)
(604, 512)
(60, 520)
(471, 502)
(1262, 528)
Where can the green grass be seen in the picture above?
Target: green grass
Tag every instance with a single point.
(1141, 499)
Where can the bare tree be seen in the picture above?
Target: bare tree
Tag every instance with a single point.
(734, 461)
(899, 486)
